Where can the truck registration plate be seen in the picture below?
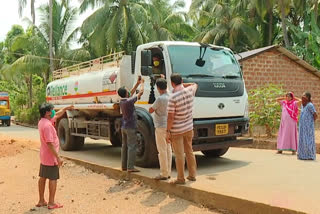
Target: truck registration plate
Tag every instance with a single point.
(222, 129)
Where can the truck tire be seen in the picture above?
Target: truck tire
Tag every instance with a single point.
(147, 153)
(67, 141)
(215, 152)
(116, 139)
(8, 122)
(79, 142)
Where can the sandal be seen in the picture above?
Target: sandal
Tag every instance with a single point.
(160, 177)
(191, 178)
(133, 170)
(55, 206)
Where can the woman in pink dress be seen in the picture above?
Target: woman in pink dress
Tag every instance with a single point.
(288, 134)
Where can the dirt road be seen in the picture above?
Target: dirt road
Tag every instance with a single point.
(79, 190)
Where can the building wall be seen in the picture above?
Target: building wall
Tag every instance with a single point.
(274, 67)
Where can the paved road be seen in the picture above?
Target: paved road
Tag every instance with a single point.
(255, 175)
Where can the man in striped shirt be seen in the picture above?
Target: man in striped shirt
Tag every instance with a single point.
(180, 126)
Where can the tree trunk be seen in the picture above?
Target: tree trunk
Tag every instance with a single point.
(50, 36)
(270, 28)
(30, 91)
(270, 22)
(33, 13)
(316, 5)
(283, 24)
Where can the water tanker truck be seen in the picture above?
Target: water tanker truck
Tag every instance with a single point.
(220, 104)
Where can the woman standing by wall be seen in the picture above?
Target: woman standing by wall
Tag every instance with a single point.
(288, 136)
(307, 145)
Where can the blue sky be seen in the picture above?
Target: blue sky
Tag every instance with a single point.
(9, 14)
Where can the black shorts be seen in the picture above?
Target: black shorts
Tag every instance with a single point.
(50, 172)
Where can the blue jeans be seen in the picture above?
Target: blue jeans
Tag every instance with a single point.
(128, 151)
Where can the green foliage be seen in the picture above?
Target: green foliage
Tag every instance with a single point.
(19, 99)
(11, 56)
(311, 40)
(264, 109)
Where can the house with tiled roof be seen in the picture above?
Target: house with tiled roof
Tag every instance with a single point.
(277, 65)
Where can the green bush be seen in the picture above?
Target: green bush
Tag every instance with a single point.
(30, 115)
(264, 109)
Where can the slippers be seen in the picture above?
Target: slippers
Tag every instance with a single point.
(133, 170)
(160, 177)
(190, 178)
(55, 206)
(42, 205)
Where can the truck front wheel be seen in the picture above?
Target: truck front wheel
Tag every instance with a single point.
(8, 122)
(147, 153)
(215, 152)
(67, 141)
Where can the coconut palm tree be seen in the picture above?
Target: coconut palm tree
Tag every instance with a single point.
(116, 25)
(22, 5)
(36, 45)
(220, 22)
(265, 10)
(167, 22)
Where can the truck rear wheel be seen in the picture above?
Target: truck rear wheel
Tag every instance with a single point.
(147, 153)
(215, 152)
(79, 142)
(67, 141)
(115, 138)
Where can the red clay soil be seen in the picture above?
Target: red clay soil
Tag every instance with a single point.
(11, 147)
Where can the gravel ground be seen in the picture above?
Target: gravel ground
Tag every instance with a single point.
(79, 190)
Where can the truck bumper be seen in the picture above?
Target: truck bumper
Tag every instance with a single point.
(207, 138)
(222, 144)
(4, 117)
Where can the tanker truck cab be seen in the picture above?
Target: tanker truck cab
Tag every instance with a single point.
(220, 105)
(221, 101)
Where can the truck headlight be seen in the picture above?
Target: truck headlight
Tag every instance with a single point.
(246, 110)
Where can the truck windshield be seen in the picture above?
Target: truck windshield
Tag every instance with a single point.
(3, 103)
(218, 63)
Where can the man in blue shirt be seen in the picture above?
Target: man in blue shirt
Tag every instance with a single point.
(129, 125)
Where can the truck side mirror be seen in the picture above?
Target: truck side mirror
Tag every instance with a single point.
(146, 58)
(146, 70)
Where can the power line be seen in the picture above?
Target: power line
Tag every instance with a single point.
(43, 57)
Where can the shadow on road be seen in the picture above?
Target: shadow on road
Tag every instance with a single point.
(216, 165)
